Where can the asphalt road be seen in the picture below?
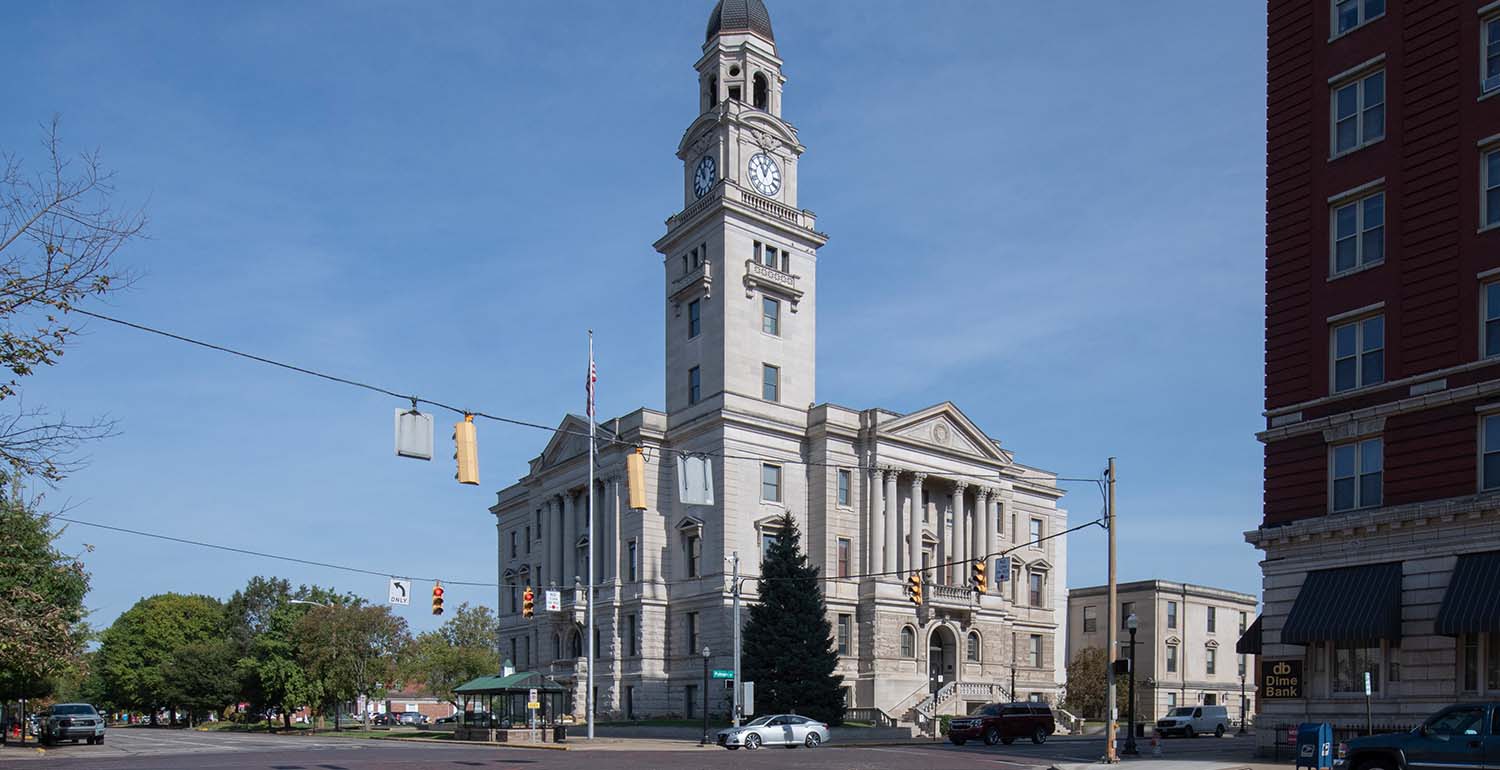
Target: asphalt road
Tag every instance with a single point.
(147, 749)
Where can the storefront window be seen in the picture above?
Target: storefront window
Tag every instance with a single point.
(1350, 663)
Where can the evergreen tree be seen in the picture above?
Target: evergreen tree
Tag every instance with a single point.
(788, 645)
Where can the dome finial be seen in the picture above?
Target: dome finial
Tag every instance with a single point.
(730, 16)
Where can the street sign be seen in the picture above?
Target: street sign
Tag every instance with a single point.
(554, 600)
(1002, 569)
(723, 673)
(532, 704)
(400, 591)
(747, 699)
(1367, 683)
(531, 697)
(413, 434)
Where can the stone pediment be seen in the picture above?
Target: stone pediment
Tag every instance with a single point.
(945, 427)
(570, 440)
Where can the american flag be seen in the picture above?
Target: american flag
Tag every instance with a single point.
(589, 385)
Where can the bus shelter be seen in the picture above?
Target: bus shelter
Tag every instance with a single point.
(495, 708)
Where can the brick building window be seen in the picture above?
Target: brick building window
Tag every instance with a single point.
(1090, 619)
(1358, 113)
(1490, 54)
(1358, 469)
(1358, 230)
(1489, 461)
(1490, 298)
(1359, 354)
(1492, 187)
(1349, 14)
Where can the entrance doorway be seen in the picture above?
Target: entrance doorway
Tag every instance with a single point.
(942, 657)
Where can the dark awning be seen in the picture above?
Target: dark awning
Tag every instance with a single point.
(1472, 604)
(1349, 604)
(1249, 643)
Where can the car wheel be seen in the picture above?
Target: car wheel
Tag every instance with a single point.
(813, 739)
(1039, 736)
(752, 741)
(991, 737)
(1189, 732)
(99, 742)
(1007, 740)
(732, 748)
(1219, 731)
(957, 741)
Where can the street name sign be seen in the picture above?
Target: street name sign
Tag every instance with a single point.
(723, 673)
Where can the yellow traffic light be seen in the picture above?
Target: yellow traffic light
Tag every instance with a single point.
(914, 588)
(981, 581)
(437, 600)
(635, 478)
(466, 451)
(528, 602)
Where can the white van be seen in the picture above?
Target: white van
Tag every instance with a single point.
(1193, 721)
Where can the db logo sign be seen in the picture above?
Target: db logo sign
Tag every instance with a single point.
(1282, 668)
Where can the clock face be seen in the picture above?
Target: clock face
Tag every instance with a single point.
(765, 176)
(704, 177)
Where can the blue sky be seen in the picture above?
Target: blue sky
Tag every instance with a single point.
(1049, 213)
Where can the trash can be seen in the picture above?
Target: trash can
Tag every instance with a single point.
(560, 733)
(1315, 745)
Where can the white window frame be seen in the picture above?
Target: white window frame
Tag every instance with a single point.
(1361, 448)
(779, 491)
(1211, 620)
(1210, 661)
(1323, 654)
(1485, 449)
(1362, 229)
(1360, 18)
(844, 487)
(1489, 82)
(1036, 532)
(1090, 619)
(1171, 614)
(771, 319)
(775, 383)
(845, 631)
(1486, 186)
(1362, 116)
(1038, 598)
(1035, 648)
(1360, 354)
(1487, 675)
(694, 561)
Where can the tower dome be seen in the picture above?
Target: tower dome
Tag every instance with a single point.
(739, 16)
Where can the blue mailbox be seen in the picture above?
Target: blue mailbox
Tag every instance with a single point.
(1315, 745)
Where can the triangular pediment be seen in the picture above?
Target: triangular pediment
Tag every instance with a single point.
(569, 441)
(944, 427)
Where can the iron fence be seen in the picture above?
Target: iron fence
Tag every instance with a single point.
(1285, 746)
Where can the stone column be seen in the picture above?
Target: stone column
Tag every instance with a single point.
(987, 540)
(892, 527)
(614, 530)
(877, 521)
(569, 541)
(914, 548)
(960, 535)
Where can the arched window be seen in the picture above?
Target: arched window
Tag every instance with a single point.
(908, 642)
(577, 644)
(972, 653)
(760, 92)
(556, 646)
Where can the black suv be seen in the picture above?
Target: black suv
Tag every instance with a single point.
(1004, 723)
(1466, 735)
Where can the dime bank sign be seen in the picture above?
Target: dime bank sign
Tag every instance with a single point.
(1280, 679)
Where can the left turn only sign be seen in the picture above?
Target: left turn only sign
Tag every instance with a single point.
(400, 591)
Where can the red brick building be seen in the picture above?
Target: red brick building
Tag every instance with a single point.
(1381, 528)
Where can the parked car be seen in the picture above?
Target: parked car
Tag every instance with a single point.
(787, 730)
(386, 719)
(1192, 721)
(1456, 737)
(1004, 723)
(71, 722)
(413, 718)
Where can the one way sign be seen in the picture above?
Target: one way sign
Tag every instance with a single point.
(400, 591)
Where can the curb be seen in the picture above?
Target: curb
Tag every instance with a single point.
(450, 742)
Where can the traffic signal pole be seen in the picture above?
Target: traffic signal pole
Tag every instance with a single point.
(738, 681)
(1111, 641)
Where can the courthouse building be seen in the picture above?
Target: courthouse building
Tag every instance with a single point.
(1381, 525)
(873, 490)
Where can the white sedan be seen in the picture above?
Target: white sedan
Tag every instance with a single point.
(787, 730)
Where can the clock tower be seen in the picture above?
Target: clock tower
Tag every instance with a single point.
(740, 256)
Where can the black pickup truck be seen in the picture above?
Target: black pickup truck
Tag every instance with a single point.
(1465, 736)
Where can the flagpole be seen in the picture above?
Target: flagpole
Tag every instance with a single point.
(588, 695)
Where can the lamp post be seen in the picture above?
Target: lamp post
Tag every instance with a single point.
(1242, 697)
(704, 705)
(1130, 625)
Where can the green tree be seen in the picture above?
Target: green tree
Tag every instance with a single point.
(1086, 689)
(41, 601)
(271, 673)
(136, 652)
(788, 644)
(351, 651)
(200, 677)
(462, 649)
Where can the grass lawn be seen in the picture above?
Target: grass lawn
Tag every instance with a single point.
(243, 727)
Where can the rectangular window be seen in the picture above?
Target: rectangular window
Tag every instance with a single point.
(1358, 231)
(692, 633)
(1034, 585)
(1210, 661)
(1350, 661)
(1243, 618)
(845, 549)
(845, 621)
(632, 562)
(1358, 469)
(770, 316)
(695, 385)
(512, 545)
(1490, 294)
(694, 555)
(1213, 619)
(1090, 620)
(1491, 53)
(1492, 188)
(770, 483)
(846, 482)
(1242, 665)
(1171, 700)
(1171, 659)
(528, 540)
(1126, 610)
(1358, 113)
(1490, 452)
(1171, 614)
(770, 382)
(632, 641)
(1348, 14)
(770, 256)
(695, 319)
(1034, 654)
(1359, 354)
(1036, 530)
(690, 692)
(767, 539)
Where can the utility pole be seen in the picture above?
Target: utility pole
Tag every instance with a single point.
(738, 682)
(1111, 635)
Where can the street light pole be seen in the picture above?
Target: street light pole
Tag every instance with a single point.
(1242, 700)
(704, 705)
(1130, 749)
(1112, 633)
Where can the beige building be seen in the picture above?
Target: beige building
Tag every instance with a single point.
(1185, 642)
(876, 493)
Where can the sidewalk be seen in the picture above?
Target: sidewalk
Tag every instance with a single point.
(1164, 763)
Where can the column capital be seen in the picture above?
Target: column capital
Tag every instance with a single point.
(960, 486)
(984, 492)
(919, 476)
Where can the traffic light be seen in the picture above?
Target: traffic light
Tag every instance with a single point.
(528, 603)
(914, 588)
(437, 599)
(635, 478)
(466, 451)
(981, 581)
